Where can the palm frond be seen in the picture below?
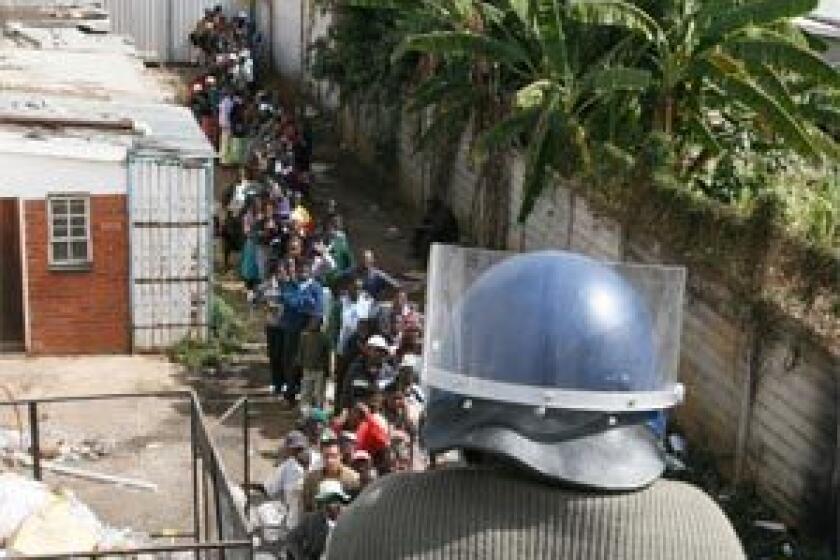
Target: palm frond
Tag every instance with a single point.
(552, 36)
(463, 42)
(755, 13)
(769, 47)
(616, 13)
(506, 132)
(618, 78)
(536, 164)
(743, 89)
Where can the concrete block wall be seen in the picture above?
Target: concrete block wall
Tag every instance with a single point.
(714, 369)
(793, 428)
(463, 182)
(413, 168)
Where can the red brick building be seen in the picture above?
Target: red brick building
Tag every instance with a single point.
(105, 228)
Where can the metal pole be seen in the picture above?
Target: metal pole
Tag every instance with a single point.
(34, 444)
(194, 450)
(132, 251)
(103, 397)
(246, 423)
(204, 488)
(219, 517)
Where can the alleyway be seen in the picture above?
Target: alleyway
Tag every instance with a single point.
(369, 213)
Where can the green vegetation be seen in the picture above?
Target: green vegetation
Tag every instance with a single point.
(227, 333)
(734, 97)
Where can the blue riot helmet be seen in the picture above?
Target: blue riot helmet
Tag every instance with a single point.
(552, 360)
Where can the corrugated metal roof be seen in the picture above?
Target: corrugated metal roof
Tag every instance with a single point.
(158, 127)
(98, 75)
(68, 39)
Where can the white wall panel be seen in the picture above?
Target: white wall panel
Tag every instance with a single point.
(171, 251)
(161, 28)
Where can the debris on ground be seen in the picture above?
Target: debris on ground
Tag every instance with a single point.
(763, 537)
(53, 446)
(35, 519)
(25, 460)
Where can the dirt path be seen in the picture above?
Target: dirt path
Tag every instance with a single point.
(368, 212)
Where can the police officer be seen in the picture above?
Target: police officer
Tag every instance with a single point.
(544, 371)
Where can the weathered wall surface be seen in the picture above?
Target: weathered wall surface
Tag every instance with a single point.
(772, 419)
(287, 36)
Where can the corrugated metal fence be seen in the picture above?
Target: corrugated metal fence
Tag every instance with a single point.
(161, 28)
(171, 249)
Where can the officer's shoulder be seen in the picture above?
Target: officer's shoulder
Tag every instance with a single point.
(669, 497)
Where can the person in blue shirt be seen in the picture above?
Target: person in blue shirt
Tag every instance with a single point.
(374, 281)
(302, 298)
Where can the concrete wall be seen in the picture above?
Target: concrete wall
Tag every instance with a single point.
(295, 26)
(161, 28)
(771, 419)
(287, 37)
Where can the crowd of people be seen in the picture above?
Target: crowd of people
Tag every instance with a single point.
(330, 316)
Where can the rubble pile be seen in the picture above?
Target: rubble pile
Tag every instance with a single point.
(35, 519)
(15, 448)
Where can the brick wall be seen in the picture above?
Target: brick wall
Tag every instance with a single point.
(84, 312)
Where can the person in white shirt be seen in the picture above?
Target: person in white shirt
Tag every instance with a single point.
(225, 108)
(285, 484)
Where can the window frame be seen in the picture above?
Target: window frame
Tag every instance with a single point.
(69, 263)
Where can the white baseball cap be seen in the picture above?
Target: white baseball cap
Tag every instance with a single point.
(378, 341)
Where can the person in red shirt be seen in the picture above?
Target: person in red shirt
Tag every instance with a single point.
(373, 432)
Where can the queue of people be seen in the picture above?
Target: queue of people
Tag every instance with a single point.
(331, 315)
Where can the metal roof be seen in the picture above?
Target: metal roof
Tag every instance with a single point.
(55, 60)
(157, 127)
(54, 37)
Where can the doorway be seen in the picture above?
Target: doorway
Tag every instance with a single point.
(11, 278)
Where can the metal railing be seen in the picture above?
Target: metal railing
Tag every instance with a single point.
(219, 525)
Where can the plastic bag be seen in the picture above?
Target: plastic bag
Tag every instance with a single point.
(20, 497)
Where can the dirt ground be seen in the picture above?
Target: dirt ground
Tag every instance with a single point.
(146, 439)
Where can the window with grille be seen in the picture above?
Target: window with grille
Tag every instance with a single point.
(69, 231)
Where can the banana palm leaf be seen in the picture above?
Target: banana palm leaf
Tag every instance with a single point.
(746, 91)
(463, 42)
(769, 47)
(537, 161)
(616, 13)
(507, 132)
(754, 13)
(617, 78)
(552, 37)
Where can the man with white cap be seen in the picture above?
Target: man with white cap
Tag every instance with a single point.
(367, 372)
(308, 541)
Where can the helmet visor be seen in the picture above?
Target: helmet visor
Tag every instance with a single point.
(553, 329)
